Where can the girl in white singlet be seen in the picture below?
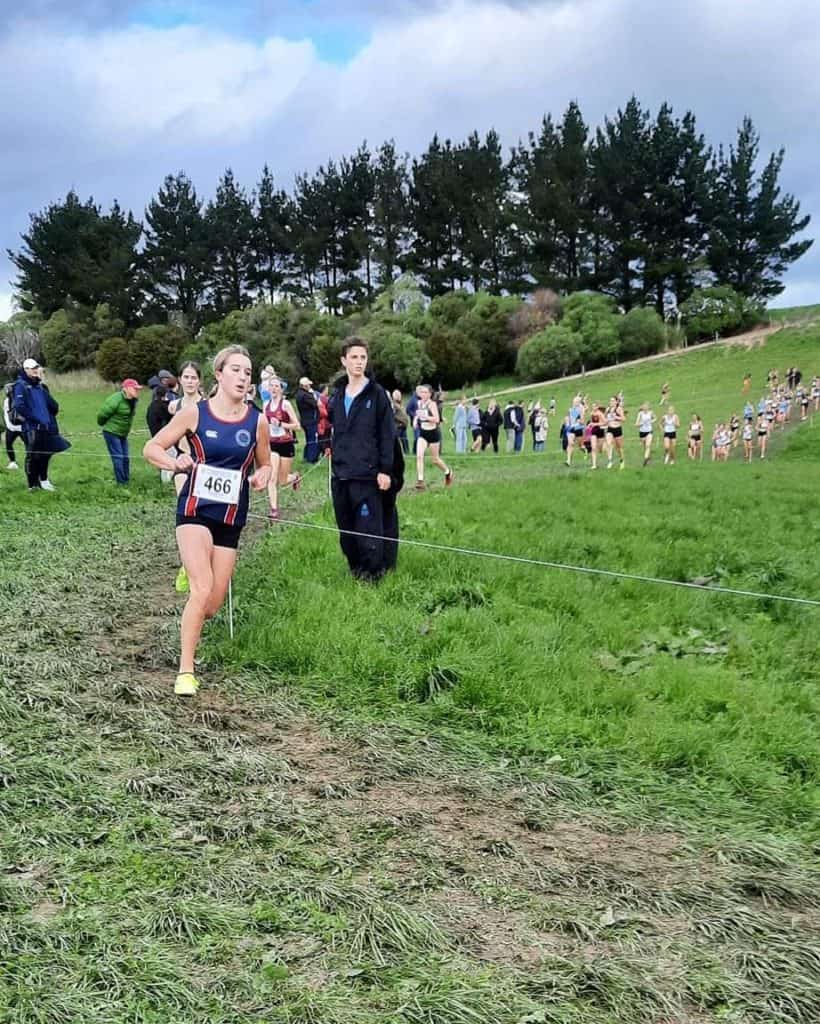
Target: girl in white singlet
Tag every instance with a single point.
(644, 423)
(615, 419)
(671, 424)
(748, 435)
(696, 438)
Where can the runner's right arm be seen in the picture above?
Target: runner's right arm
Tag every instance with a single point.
(155, 450)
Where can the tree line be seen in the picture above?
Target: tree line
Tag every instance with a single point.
(641, 209)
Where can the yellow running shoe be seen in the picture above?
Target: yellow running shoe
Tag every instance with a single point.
(181, 582)
(186, 685)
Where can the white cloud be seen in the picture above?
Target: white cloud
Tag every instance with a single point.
(112, 111)
(6, 306)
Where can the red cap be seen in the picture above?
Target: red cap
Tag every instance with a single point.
(129, 382)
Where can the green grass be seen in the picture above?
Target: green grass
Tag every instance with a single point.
(794, 314)
(480, 793)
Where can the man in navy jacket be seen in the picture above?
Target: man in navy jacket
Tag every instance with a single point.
(38, 411)
(364, 477)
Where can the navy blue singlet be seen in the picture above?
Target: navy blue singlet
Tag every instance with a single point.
(229, 445)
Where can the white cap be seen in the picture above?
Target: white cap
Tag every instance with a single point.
(31, 364)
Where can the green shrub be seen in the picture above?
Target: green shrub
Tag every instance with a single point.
(553, 352)
(398, 358)
(67, 343)
(113, 360)
(719, 310)
(451, 307)
(592, 317)
(641, 333)
(155, 348)
(456, 357)
(490, 324)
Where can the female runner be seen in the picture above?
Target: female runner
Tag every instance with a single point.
(696, 438)
(428, 423)
(575, 434)
(644, 422)
(597, 423)
(671, 425)
(748, 433)
(226, 436)
(762, 434)
(282, 425)
(615, 419)
(190, 381)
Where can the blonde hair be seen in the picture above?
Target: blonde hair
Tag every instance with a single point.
(224, 354)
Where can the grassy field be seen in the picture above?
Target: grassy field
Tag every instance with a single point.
(479, 793)
(794, 314)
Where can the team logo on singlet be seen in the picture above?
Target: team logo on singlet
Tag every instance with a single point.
(243, 437)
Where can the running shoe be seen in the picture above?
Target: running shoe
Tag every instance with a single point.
(47, 485)
(181, 582)
(297, 482)
(12, 465)
(186, 685)
(420, 485)
(273, 515)
(448, 478)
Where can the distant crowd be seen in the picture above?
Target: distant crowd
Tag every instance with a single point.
(589, 430)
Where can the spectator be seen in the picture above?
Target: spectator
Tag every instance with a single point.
(520, 426)
(323, 428)
(307, 407)
(491, 425)
(116, 418)
(364, 467)
(37, 411)
(13, 428)
(411, 409)
(400, 421)
(474, 425)
(509, 424)
(158, 414)
(460, 425)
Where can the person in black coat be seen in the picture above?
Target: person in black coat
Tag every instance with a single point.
(365, 476)
(307, 405)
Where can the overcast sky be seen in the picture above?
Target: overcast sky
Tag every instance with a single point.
(109, 96)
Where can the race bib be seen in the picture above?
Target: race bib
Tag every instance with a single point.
(211, 483)
(276, 429)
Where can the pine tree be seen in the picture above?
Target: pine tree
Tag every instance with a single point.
(175, 259)
(73, 252)
(390, 212)
(357, 225)
(434, 190)
(621, 184)
(751, 243)
(230, 225)
(481, 209)
(535, 207)
(673, 225)
(273, 239)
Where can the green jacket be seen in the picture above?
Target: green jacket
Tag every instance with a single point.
(117, 414)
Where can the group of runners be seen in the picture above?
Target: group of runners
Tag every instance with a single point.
(596, 429)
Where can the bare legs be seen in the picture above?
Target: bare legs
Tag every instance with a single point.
(209, 572)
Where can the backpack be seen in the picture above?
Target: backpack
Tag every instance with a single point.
(8, 401)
